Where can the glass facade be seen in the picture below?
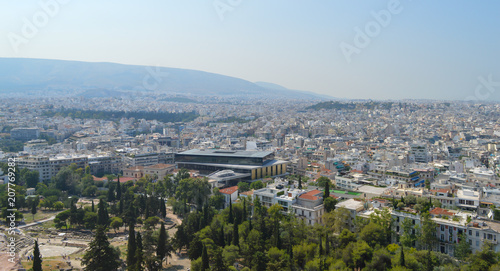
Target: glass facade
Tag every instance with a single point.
(231, 160)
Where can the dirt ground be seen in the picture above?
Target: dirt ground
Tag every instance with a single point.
(177, 262)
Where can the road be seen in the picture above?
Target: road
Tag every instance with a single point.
(38, 222)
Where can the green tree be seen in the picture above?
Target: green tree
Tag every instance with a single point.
(102, 213)
(462, 249)
(408, 236)
(329, 204)
(327, 190)
(428, 236)
(116, 223)
(131, 247)
(336, 220)
(257, 185)
(236, 236)
(372, 234)
(163, 249)
(402, 257)
(37, 260)
(139, 253)
(278, 259)
(204, 259)
(219, 264)
(100, 256)
(323, 181)
(33, 208)
(243, 187)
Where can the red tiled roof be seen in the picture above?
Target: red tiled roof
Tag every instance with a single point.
(126, 179)
(311, 195)
(229, 190)
(440, 211)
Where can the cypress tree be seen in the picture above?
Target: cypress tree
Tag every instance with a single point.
(231, 217)
(327, 245)
(131, 247)
(222, 242)
(236, 235)
(93, 207)
(37, 260)
(245, 216)
(320, 246)
(147, 213)
(402, 258)
(161, 249)
(204, 259)
(163, 209)
(300, 182)
(102, 214)
(139, 254)
(33, 209)
(118, 189)
(120, 210)
(111, 192)
(327, 190)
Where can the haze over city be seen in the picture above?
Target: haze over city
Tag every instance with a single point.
(238, 135)
(357, 50)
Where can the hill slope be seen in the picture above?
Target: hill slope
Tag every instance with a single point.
(24, 74)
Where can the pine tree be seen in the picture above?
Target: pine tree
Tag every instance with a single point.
(100, 256)
(139, 253)
(161, 248)
(204, 259)
(131, 247)
(37, 260)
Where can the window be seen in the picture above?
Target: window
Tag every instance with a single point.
(442, 227)
(470, 232)
(477, 243)
(477, 233)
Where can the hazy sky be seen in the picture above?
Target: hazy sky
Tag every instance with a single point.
(411, 49)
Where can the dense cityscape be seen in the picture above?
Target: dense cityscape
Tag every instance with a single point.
(231, 184)
(232, 135)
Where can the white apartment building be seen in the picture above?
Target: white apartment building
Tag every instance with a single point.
(309, 207)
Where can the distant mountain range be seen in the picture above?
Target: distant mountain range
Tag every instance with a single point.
(111, 80)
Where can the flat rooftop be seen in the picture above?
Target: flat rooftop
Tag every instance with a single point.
(225, 153)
